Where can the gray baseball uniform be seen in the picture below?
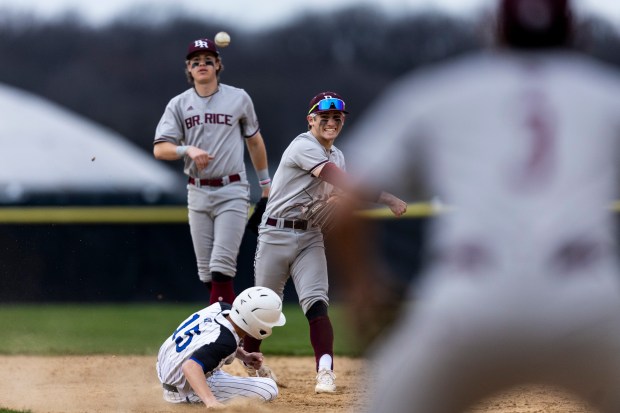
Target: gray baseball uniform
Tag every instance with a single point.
(524, 285)
(284, 252)
(217, 124)
(209, 339)
(291, 246)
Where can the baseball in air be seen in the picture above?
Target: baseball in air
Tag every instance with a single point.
(222, 39)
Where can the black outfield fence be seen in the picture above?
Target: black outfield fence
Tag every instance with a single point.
(125, 254)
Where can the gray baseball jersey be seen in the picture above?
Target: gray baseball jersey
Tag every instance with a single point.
(293, 182)
(216, 124)
(525, 281)
(209, 339)
(300, 254)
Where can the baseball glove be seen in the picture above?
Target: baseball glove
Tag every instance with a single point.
(322, 212)
(257, 215)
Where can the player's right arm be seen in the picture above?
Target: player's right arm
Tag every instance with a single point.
(168, 151)
(196, 378)
(254, 359)
(332, 174)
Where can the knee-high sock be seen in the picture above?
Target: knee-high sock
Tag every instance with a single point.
(322, 338)
(222, 289)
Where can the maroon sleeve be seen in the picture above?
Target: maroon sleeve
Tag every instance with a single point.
(332, 174)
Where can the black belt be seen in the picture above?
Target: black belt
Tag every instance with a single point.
(215, 181)
(170, 388)
(300, 224)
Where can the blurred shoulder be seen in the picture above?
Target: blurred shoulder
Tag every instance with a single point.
(490, 69)
(469, 64)
(587, 68)
(440, 80)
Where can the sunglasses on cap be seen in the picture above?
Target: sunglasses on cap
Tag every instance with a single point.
(328, 104)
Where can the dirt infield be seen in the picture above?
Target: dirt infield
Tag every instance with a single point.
(103, 384)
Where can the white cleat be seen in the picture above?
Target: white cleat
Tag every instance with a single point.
(325, 381)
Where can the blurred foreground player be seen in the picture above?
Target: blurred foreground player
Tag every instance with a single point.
(522, 281)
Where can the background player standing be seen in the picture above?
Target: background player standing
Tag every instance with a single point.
(289, 246)
(207, 126)
(522, 283)
(190, 360)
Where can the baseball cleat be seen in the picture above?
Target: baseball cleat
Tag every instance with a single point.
(325, 381)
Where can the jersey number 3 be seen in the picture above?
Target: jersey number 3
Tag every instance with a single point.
(536, 169)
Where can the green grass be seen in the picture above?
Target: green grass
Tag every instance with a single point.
(138, 329)
(2, 410)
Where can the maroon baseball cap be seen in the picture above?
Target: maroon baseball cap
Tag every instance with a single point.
(535, 23)
(325, 101)
(202, 45)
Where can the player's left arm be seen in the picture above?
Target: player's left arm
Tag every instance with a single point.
(332, 174)
(196, 378)
(258, 155)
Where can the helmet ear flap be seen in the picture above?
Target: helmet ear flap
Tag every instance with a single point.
(256, 311)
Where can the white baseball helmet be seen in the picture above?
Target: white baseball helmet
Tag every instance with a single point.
(256, 311)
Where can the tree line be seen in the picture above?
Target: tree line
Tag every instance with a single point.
(122, 74)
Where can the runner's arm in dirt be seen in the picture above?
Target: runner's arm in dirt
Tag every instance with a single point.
(196, 378)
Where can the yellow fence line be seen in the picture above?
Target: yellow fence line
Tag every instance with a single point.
(140, 214)
(414, 210)
(159, 214)
(87, 215)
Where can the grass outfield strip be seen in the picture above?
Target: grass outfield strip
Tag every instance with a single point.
(124, 329)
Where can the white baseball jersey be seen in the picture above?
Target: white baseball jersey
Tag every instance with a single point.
(206, 337)
(522, 284)
(210, 340)
(217, 124)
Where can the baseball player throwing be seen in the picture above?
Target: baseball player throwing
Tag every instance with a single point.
(207, 126)
(190, 360)
(523, 283)
(290, 246)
